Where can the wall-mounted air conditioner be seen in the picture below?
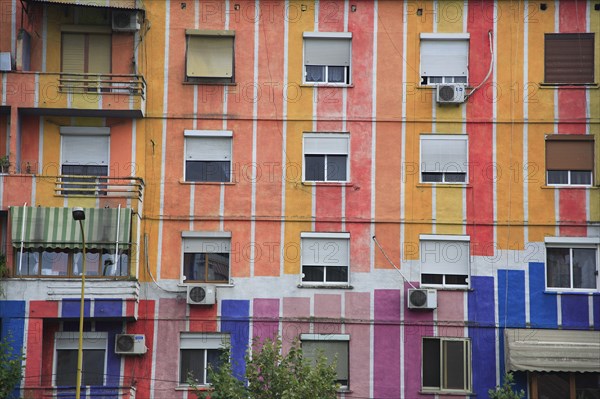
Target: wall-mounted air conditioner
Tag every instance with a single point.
(201, 294)
(422, 298)
(130, 344)
(451, 93)
(125, 21)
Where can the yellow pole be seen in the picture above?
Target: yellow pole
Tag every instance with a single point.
(81, 309)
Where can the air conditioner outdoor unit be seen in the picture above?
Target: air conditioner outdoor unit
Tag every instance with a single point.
(125, 21)
(422, 299)
(130, 344)
(201, 295)
(451, 93)
(5, 62)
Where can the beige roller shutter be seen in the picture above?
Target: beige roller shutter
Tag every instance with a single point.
(209, 56)
(73, 52)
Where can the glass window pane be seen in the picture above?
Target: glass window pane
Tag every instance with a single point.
(315, 73)
(314, 167)
(557, 268)
(93, 367)
(194, 266)
(435, 177)
(431, 363)
(455, 177)
(581, 177)
(192, 362)
(313, 273)
(432, 278)
(436, 79)
(218, 267)
(29, 263)
(454, 365)
(213, 360)
(456, 279)
(207, 171)
(335, 74)
(66, 367)
(336, 167)
(553, 386)
(55, 263)
(92, 262)
(336, 274)
(460, 79)
(584, 268)
(123, 266)
(558, 177)
(587, 385)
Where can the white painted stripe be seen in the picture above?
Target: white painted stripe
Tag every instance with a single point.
(154, 346)
(13, 27)
(313, 207)
(40, 147)
(163, 164)
(374, 139)
(254, 143)
(525, 167)
(559, 309)
(496, 323)
(4, 89)
(25, 340)
(557, 211)
(588, 115)
(433, 209)
(284, 138)
(556, 16)
(465, 16)
(435, 15)
(196, 14)
(226, 88)
(494, 122)
(317, 4)
(44, 36)
(527, 301)
(346, 8)
(192, 206)
(403, 150)
(36, 90)
(133, 169)
(222, 208)
(591, 310)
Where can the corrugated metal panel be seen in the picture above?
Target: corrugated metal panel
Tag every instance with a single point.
(127, 4)
(552, 350)
(569, 58)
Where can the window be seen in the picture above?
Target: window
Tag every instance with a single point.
(198, 351)
(446, 364)
(84, 152)
(208, 155)
(327, 57)
(445, 261)
(85, 49)
(206, 256)
(565, 385)
(444, 58)
(68, 262)
(94, 358)
(444, 158)
(326, 157)
(571, 263)
(325, 257)
(332, 347)
(209, 56)
(570, 159)
(569, 58)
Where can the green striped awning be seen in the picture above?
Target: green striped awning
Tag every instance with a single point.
(55, 227)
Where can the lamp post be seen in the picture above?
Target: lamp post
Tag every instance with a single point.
(79, 215)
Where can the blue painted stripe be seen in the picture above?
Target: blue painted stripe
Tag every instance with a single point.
(70, 308)
(483, 347)
(481, 301)
(575, 311)
(113, 361)
(12, 314)
(235, 316)
(511, 298)
(596, 311)
(108, 308)
(542, 305)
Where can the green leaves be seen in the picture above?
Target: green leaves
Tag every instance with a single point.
(271, 374)
(11, 369)
(506, 391)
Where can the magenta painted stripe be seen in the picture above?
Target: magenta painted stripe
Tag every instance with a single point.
(417, 324)
(358, 307)
(386, 346)
(266, 318)
(171, 316)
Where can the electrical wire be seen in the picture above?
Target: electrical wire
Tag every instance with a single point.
(392, 263)
(490, 68)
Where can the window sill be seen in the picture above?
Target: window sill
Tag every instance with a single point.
(570, 291)
(326, 286)
(217, 284)
(72, 278)
(442, 288)
(328, 183)
(331, 85)
(569, 187)
(447, 393)
(209, 183)
(209, 83)
(189, 388)
(576, 86)
(434, 86)
(452, 185)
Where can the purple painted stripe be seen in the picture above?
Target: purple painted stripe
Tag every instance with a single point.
(575, 311)
(266, 318)
(386, 345)
(70, 308)
(596, 311)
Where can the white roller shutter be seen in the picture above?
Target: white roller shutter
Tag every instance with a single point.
(444, 55)
(445, 257)
(444, 153)
(84, 149)
(326, 144)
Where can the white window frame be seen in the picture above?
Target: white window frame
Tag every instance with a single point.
(324, 136)
(323, 236)
(69, 340)
(341, 36)
(207, 134)
(569, 184)
(465, 165)
(443, 37)
(445, 239)
(572, 243)
(200, 341)
(331, 338)
(204, 237)
(468, 372)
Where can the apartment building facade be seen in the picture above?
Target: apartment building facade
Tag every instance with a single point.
(411, 187)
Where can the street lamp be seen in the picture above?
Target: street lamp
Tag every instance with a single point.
(79, 215)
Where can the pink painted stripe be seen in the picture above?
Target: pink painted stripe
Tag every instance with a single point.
(171, 316)
(296, 312)
(358, 307)
(266, 318)
(451, 313)
(386, 346)
(327, 306)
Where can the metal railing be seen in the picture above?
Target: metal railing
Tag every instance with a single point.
(103, 83)
(95, 186)
(99, 392)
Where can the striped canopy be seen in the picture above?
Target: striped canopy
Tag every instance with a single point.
(55, 227)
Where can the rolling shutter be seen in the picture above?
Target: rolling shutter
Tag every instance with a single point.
(569, 152)
(73, 52)
(327, 51)
(569, 58)
(210, 56)
(444, 153)
(326, 144)
(444, 55)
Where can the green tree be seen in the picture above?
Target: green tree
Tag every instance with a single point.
(271, 374)
(506, 391)
(11, 368)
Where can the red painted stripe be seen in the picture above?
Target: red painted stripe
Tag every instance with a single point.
(138, 370)
(33, 369)
(480, 205)
(203, 318)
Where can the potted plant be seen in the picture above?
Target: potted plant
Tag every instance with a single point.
(4, 164)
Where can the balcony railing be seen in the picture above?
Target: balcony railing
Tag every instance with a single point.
(118, 392)
(95, 186)
(104, 84)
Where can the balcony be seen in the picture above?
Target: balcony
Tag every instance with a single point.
(81, 94)
(99, 186)
(96, 392)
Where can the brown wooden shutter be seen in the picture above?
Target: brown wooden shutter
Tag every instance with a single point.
(73, 52)
(570, 152)
(569, 58)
